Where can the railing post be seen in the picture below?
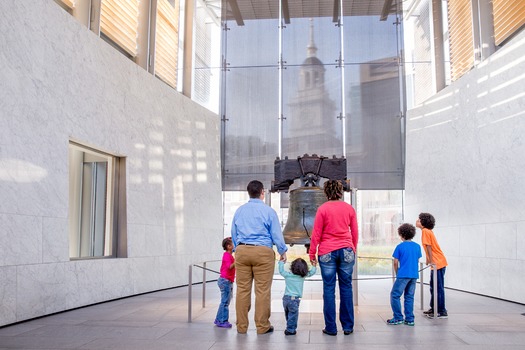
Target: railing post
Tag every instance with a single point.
(435, 291)
(421, 284)
(204, 285)
(355, 282)
(190, 273)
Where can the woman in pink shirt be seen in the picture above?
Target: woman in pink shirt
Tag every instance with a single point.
(334, 239)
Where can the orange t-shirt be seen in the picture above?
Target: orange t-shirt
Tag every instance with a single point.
(428, 238)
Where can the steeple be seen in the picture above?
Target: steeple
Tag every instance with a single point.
(311, 49)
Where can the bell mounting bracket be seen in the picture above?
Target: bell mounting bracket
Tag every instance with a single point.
(310, 169)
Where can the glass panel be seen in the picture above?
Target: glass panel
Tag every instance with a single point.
(256, 43)
(206, 62)
(250, 104)
(251, 126)
(311, 88)
(373, 85)
(379, 213)
(93, 218)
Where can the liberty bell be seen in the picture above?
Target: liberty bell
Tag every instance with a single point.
(306, 199)
(304, 202)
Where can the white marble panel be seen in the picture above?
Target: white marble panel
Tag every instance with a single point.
(520, 246)
(459, 273)
(136, 239)
(145, 274)
(7, 294)
(41, 290)
(472, 241)
(501, 240)
(55, 240)
(20, 239)
(171, 272)
(148, 240)
(117, 280)
(472, 173)
(485, 274)
(512, 281)
(84, 282)
(449, 240)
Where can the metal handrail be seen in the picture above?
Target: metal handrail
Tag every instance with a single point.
(355, 289)
(190, 284)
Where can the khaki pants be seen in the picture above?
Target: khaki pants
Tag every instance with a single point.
(254, 264)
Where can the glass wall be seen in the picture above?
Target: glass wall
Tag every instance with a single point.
(312, 80)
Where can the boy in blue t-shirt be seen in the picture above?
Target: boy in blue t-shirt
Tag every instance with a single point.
(294, 291)
(406, 257)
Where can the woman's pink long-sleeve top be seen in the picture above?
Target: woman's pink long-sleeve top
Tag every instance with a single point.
(335, 227)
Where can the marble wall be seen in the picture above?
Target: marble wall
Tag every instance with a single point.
(60, 82)
(465, 164)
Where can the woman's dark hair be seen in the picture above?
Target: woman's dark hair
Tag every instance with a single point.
(427, 220)
(299, 267)
(333, 189)
(255, 188)
(225, 242)
(407, 231)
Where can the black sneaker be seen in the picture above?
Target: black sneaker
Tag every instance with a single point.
(428, 312)
(289, 333)
(329, 333)
(439, 315)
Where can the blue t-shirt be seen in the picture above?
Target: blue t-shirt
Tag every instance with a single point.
(408, 254)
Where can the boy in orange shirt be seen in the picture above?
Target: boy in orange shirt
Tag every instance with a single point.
(435, 256)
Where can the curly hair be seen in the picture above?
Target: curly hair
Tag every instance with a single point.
(407, 231)
(299, 267)
(333, 189)
(226, 242)
(427, 220)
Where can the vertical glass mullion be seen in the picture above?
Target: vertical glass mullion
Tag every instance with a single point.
(342, 63)
(280, 80)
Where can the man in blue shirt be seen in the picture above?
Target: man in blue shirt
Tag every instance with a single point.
(255, 229)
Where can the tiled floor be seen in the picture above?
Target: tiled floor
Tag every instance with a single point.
(160, 321)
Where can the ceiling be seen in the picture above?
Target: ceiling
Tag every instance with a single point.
(244, 10)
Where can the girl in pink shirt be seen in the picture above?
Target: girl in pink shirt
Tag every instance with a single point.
(225, 283)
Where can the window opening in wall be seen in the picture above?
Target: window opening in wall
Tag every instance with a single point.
(94, 198)
(119, 20)
(67, 5)
(167, 41)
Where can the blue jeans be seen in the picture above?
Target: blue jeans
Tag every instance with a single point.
(291, 312)
(226, 288)
(408, 287)
(440, 291)
(338, 263)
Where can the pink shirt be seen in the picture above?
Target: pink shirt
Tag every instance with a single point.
(335, 227)
(226, 272)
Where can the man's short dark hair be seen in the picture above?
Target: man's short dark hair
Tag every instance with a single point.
(255, 188)
(407, 231)
(427, 220)
(225, 242)
(299, 267)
